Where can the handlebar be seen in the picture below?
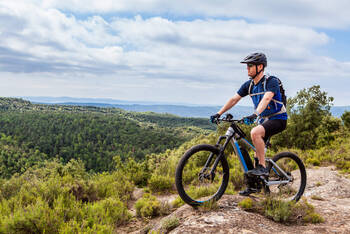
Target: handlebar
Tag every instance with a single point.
(229, 118)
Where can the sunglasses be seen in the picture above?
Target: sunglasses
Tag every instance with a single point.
(250, 65)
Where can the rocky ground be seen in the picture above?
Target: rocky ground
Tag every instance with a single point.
(327, 191)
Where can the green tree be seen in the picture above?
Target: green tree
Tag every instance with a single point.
(346, 118)
(307, 111)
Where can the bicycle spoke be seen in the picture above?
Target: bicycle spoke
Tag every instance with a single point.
(197, 181)
(286, 178)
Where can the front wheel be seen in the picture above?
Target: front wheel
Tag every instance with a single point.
(287, 176)
(194, 182)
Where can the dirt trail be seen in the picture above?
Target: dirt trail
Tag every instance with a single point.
(326, 189)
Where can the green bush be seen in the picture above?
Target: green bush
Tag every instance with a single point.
(170, 223)
(236, 174)
(278, 210)
(313, 218)
(147, 206)
(64, 199)
(160, 183)
(313, 161)
(346, 118)
(36, 218)
(307, 212)
(283, 211)
(83, 227)
(177, 202)
(112, 184)
(246, 203)
(110, 211)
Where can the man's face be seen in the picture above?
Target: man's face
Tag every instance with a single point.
(251, 68)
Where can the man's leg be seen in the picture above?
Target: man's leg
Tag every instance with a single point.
(257, 134)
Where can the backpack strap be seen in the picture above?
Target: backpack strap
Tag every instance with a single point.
(283, 108)
(250, 88)
(254, 94)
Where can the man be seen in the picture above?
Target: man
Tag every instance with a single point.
(268, 105)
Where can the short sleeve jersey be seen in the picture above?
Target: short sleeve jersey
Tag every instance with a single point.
(272, 85)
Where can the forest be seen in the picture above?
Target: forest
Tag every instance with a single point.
(34, 133)
(71, 169)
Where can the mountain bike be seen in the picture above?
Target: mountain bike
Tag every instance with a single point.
(202, 174)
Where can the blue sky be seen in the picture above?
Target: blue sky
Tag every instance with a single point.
(170, 51)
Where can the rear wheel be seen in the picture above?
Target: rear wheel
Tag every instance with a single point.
(194, 183)
(288, 176)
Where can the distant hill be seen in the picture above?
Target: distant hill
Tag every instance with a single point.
(183, 110)
(179, 109)
(190, 111)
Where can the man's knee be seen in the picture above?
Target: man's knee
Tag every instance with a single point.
(257, 132)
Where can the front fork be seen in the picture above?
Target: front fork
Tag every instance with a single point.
(211, 174)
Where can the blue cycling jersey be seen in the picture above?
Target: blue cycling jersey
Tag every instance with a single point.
(272, 85)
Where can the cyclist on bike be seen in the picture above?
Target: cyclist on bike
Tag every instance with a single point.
(268, 106)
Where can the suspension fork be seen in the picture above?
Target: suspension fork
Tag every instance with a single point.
(217, 160)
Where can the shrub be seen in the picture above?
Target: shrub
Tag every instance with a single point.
(170, 223)
(307, 212)
(246, 203)
(36, 218)
(110, 211)
(58, 198)
(313, 161)
(177, 202)
(147, 206)
(283, 211)
(346, 118)
(199, 192)
(278, 210)
(313, 218)
(236, 174)
(160, 183)
(77, 227)
(114, 184)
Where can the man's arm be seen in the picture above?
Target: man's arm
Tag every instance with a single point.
(230, 103)
(264, 102)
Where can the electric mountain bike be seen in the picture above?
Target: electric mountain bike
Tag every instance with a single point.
(202, 174)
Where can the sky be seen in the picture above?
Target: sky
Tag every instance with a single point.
(184, 51)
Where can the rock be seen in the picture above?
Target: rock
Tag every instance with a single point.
(323, 182)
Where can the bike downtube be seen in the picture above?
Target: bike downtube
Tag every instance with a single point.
(239, 153)
(248, 144)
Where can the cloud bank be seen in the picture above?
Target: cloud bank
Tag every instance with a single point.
(174, 51)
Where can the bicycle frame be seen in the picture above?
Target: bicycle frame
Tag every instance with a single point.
(233, 134)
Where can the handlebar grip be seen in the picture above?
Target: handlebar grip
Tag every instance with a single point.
(229, 116)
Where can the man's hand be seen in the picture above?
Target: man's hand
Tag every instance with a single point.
(214, 118)
(250, 119)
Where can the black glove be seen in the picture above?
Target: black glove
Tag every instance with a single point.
(250, 119)
(214, 118)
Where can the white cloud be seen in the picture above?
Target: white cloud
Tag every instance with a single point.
(153, 57)
(315, 13)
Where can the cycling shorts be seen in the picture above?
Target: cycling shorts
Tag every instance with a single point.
(274, 126)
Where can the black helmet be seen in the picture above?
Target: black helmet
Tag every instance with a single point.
(256, 58)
